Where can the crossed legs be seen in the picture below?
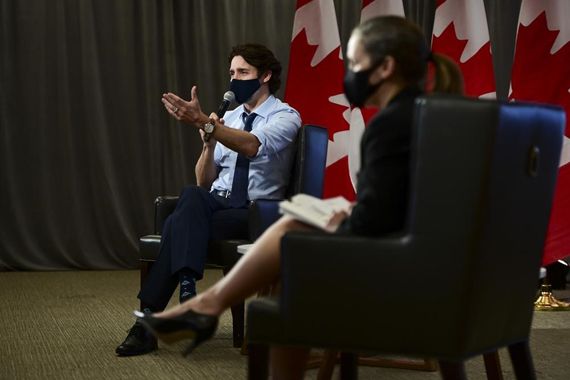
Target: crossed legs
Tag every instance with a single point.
(257, 270)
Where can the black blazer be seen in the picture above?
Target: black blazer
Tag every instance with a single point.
(383, 180)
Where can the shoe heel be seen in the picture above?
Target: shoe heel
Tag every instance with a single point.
(190, 348)
(198, 340)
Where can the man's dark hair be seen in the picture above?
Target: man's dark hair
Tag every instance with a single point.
(262, 59)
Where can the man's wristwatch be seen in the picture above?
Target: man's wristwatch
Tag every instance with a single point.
(209, 126)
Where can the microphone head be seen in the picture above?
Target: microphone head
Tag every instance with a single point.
(229, 96)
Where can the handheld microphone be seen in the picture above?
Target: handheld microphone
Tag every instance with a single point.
(229, 97)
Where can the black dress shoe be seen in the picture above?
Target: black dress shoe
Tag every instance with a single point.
(190, 325)
(138, 342)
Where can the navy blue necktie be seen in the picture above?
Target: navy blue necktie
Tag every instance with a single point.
(238, 196)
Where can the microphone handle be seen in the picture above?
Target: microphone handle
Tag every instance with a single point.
(220, 113)
(223, 108)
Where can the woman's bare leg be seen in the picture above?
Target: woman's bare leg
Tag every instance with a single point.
(257, 269)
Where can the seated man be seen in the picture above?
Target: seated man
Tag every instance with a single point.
(252, 160)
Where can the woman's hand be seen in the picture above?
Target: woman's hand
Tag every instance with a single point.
(336, 220)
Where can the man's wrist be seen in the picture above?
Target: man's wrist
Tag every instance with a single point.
(209, 126)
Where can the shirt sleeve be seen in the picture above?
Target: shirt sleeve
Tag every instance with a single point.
(279, 131)
(218, 154)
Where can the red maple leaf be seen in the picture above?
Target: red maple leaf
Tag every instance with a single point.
(540, 76)
(477, 70)
(309, 88)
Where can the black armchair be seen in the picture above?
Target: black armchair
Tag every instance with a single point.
(461, 280)
(307, 177)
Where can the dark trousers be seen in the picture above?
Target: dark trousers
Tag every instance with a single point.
(199, 216)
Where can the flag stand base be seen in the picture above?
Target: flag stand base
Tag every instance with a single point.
(547, 302)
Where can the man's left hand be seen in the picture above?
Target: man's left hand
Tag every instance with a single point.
(188, 112)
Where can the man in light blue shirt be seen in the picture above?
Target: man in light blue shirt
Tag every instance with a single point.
(275, 127)
(247, 155)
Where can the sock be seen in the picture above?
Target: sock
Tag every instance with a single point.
(187, 284)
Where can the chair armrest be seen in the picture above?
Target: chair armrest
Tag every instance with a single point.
(164, 205)
(329, 268)
(331, 279)
(262, 214)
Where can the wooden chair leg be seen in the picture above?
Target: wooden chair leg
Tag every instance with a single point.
(452, 370)
(493, 366)
(348, 366)
(258, 362)
(522, 361)
(328, 362)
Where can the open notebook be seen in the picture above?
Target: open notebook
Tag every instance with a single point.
(314, 211)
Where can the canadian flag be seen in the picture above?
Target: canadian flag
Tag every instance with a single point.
(541, 73)
(373, 8)
(460, 31)
(315, 87)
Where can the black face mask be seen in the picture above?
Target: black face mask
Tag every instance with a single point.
(244, 89)
(356, 87)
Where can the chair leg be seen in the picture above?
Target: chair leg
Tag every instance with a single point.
(348, 366)
(258, 362)
(327, 365)
(452, 370)
(238, 323)
(493, 366)
(522, 361)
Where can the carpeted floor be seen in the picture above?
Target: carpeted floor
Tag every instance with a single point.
(66, 325)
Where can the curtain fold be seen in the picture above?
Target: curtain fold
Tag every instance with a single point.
(85, 144)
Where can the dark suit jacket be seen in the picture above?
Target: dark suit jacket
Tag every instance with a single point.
(383, 179)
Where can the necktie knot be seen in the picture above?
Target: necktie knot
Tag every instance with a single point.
(248, 120)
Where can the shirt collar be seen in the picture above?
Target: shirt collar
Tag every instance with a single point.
(264, 109)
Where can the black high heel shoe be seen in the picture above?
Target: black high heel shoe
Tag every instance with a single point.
(190, 325)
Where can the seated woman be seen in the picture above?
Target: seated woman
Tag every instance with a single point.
(387, 66)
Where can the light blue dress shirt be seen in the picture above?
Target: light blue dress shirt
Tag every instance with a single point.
(276, 128)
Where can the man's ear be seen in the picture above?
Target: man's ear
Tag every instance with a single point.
(266, 76)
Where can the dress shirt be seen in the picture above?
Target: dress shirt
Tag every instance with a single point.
(276, 128)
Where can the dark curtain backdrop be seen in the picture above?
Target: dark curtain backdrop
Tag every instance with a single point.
(85, 145)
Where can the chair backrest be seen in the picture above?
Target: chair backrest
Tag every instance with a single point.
(307, 177)
(310, 160)
(483, 179)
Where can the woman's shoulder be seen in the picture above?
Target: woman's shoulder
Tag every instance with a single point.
(399, 110)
